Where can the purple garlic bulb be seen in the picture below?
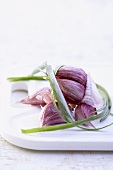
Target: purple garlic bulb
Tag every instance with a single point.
(78, 87)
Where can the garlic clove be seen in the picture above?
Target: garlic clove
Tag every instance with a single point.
(41, 97)
(72, 73)
(49, 116)
(72, 91)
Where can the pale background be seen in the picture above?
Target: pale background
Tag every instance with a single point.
(78, 32)
(58, 31)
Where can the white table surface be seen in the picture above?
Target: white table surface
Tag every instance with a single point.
(63, 31)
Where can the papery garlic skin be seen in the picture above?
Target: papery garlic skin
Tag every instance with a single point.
(92, 96)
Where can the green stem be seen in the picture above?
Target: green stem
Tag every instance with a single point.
(58, 95)
(63, 126)
(39, 68)
(24, 78)
(57, 68)
(105, 95)
(95, 129)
